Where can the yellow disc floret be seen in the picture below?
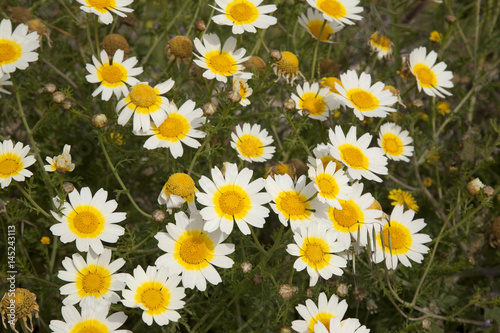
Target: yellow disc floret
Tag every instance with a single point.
(180, 184)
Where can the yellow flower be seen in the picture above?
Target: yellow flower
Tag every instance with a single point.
(427, 182)
(45, 240)
(443, 107)
(435, 36)
(403, 198)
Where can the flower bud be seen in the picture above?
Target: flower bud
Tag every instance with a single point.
(68, 187)
(50, 87)
(158, 215)
(58, 97)
(426, 324)
(67, 105)
(474, 186)
(286, 329)
(257, 279)
(45, 240)
(451, 19)
(286, 291)
(371, 306)
(488, 191)
(289, 104)
(342, 290)
(275, 55)
(209, 109)
(309, 292)
(200, 25)
(234, 96)
(99, 120)
(246, 267)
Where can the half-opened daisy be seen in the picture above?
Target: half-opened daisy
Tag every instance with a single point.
(342, 11)
(156, 292)
(102, 8)
(232, 198)
(145, 103)
(331, 184)
(178, 189)
(398, 239)
(431, 77)
(322, 151)
(114, 75)
(13, 162)
(380, 44)
(313, 23)
(88, 219)
(96, 277)
(349, 325)
(252, 143)
(395, 142)
(241, 87)
(4, 81)
(16, 48)
(360, 160)
(244, 15)
(365, 99)
(61, 163)
(318, 101)
(192, 252)
(220, 61)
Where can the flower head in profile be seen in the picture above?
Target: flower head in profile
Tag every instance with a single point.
(193, 252)
(88, 220)
(431, 77)
(318, 101)
(404, 198)
(93, 318)
(102, 8)
(220, 61)
(313, 22)
(395, 142)
(178, 189)
(443, 107)
(331, 184)
(61, 163)
(380, 44)
(145, 103)
(241, 87)
(341, 11)
(252, 143)
(287, 67)
(398, 239)
(436, 36)
(230, 198)
(17, 48)
(13, 162)
(244, 15)
(156, 292)
(4, 81)
(113, 74)
(92, 278)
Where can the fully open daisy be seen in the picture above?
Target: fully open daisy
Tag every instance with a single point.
(145, 103)
(324, 312)
(94, 318)
(404, 198)
(16, 48)
(252, 144)
(4, 81)
(102, 8)
(365, 99)
(13, 162)
(156, 292)
(313, 23)
(318, 101)
(96, 277)
(193, 252)
(360, 160)
(88, 219)
(355, 216)
(232, 198)
(220, 61)
(322, 151)
(244, 15)
(342, 11)
(331, 184)
(315, 246)
(241, 87)
(61, 163)
(395, 142)
(178, 189)
(295, 203)
(349, 325)
(431, 77)
(177, 127)
(114, 75)
(398, 239)
(380, 44)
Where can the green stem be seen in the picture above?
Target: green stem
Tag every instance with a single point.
(297, 133)
(261, 38)
(30, 199)
(256, 240)
(315, 55)
(96, 35)
(55, 245)
(89, 39)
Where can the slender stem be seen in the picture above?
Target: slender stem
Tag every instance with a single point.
(89, 39)
(256, 240)
(297, 133)
(315, 55)
(55, 245)
(96, 35)
(261, 38)
(30, 199)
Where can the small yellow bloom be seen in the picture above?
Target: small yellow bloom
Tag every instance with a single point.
(403, 198)
(435, 36)
(45, 240)
(427, 182)
(422, 115)
(117, 138)
(443, 107)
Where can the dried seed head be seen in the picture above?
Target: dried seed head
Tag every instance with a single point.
(289, 104)
(300, 167)
(200, 25)
(58, 97)
(286, 291)
(209, 109)
(99, 120)
(257, 279)
(255, 63)
(40, 28)
(359, 294)
(67, 104)
(371, 306)
(113, 42)
(158, 215)
(246, 267)
(474, 186)
(234, 96)
(19, 15)
(181, 47)
(275, 55)
(25, 308)
(68, 187)
(328, 67)
(50, 87)
(342, 290)
(309, 292)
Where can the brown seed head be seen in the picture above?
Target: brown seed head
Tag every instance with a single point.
(113, 42)
(257, 279)
(25, 307)
(328, 67)
(181, 47)
(19, 15)
(255, 63)
(130, 19)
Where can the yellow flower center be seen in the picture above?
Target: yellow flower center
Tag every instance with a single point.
(86, 221)
(312, 102)
(288, 64)
(194, 250)
(380, 41)
(322, 317)
(403, 198)
(353, 156)
(154, 296)
(180, 184)
(330, 83)
(363, 100)
(90, 326)
(332, 8)
(10, 165)
(10, 51)
(425, 75)
(327, 185)
(242, 12)
(221, 62)
(250, 146)
(293, 205)
(347, 219)
(143, 95)
(327, 159)
(93, 281)
(112, 75)
(174, 128)
(232, 202)
(101, 5)
(314, 27)
(392, 145)
(397, 238)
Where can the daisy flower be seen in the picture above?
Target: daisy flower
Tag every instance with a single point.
(232, 198)
(177, 127)
(395, 142)
(350, 325)
(4, 81)
(360, 160)
(287, 67)
(341, 11)
(88, 219)
(318, 101)
(313, 23)
(315, 246)
(144, 102)
(193, 252)
(156, 292)
(252, 144)
(16, 48)
(96, 277)
(324, 312)
(178, 189)
(113, 75)
(295, 203)
(220, 61)
(94, 318)
(398, 239)
(403, 198)
(244, 15)
(380, 44)
(102, 8)
(322, 151)
(430, 77)
(330, 184)
(13, 162)
(355, 216)
(241, 87)
(329, 82)
(365, 99)
(61, 163)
